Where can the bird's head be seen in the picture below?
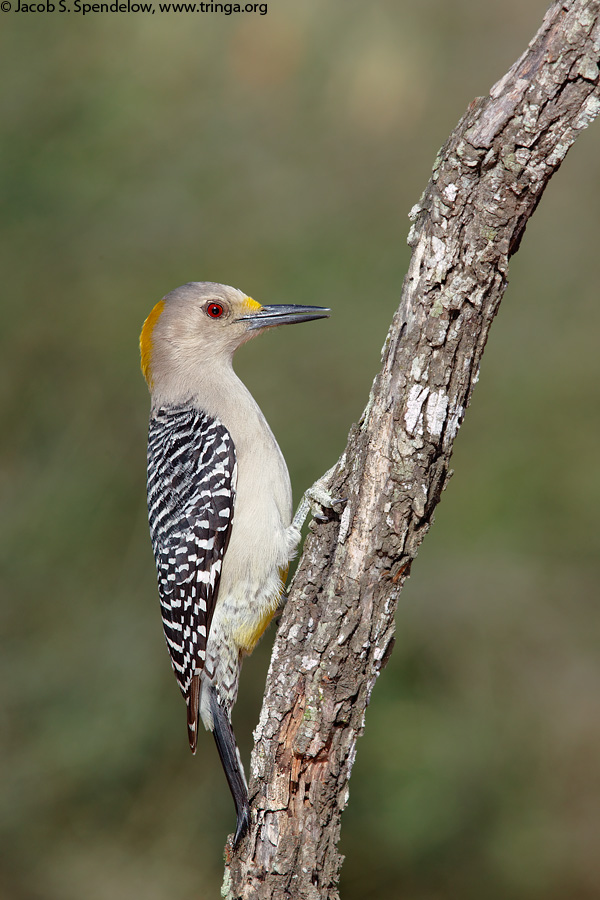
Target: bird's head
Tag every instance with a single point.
(201, 324)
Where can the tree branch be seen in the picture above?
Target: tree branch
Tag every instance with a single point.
(336, 631)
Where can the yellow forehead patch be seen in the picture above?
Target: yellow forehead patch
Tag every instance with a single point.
(146, 340)
(252, 305)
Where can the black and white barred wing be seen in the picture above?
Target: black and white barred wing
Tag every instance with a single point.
(191, 491)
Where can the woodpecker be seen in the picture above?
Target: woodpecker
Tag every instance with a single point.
(219, 501)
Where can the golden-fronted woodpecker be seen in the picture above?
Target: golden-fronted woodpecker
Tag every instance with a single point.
(219, 501)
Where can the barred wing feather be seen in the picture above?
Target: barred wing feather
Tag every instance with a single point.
(191, 493)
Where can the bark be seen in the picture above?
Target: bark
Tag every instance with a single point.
(337, 629)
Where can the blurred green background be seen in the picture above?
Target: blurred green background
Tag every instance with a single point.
(281, 154)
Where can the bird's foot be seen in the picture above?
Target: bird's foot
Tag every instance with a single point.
(319, 502)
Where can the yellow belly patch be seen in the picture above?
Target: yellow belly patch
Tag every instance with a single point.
(247, 636)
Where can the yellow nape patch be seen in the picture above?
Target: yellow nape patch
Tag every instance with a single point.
(252, 305)
(146, 340)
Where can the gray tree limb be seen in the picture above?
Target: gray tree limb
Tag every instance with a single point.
(337, 629)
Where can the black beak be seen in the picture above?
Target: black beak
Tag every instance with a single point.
(268, 316)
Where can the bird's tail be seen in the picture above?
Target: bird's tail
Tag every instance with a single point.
(193, 703)
(231, 762)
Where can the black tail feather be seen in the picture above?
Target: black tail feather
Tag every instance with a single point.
(232, 765)
(193, 702)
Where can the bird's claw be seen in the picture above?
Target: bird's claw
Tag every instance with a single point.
(316, 500)
(319, 500)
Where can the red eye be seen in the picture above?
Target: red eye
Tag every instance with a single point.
(214, 310)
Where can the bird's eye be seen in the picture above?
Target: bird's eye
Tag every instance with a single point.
(214, 310)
